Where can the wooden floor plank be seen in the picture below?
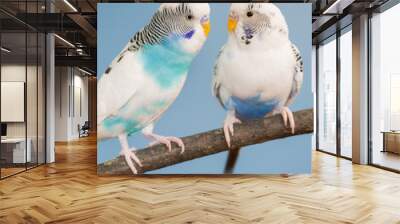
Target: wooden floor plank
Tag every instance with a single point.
(69, 191)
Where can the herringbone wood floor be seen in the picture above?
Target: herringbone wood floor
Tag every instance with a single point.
(69, 191)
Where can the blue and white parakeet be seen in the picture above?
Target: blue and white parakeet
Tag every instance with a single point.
(149, 73)
(258, 71)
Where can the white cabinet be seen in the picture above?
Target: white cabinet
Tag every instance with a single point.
(18, 145)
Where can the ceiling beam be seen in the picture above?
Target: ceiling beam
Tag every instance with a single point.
(78, 61)
(337, 7)
(86, 27)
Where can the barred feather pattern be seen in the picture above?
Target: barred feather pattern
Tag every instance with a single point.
(216, 85)
(297, 77)
(299, 59)
(261, 23)
(163, 23)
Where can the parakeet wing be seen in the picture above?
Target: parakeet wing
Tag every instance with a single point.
(216, 84)
(110, 96)
(297, 75)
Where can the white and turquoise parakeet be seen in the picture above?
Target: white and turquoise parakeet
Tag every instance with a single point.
(149, 73)
(258, 71)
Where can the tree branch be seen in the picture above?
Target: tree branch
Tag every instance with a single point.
(211, 142)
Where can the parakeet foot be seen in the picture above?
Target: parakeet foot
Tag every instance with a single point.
(166, 140)
(287, 115)
(158, 139)
(228, 126)
(130, 155)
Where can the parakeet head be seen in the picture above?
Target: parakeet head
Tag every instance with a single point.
(187, 23)
(252, 22)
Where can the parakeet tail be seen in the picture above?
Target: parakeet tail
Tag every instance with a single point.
(233, 155)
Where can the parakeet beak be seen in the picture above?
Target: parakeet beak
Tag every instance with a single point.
(206, 26)
(232, 23)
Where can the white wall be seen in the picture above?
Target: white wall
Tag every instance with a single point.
(79, 117)
(61, 103)
(70, 83)
(15, 72)
(11, 73)
(33, 127)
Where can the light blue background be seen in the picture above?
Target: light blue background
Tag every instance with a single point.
(196, 110)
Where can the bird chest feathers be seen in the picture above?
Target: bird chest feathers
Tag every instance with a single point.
(148, 82)
(267, 72)
(166, 63)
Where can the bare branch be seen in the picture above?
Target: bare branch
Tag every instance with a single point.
(211, 142)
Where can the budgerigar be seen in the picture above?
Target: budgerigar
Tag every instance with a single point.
(149, 73)
(258, 71)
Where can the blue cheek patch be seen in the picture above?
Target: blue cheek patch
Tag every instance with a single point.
(249, 33)
(252, 108)
(189, 34)
(203, 19)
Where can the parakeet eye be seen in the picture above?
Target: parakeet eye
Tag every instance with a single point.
(249, 14)
(189, 17)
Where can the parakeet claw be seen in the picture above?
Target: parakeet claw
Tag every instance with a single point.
(130, 155)
(288, 115)
(166, 140)
(228, 127)
(158, 139)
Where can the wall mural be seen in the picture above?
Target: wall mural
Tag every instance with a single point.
(197, 88)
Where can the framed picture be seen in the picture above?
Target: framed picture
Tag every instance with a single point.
(197, 88)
